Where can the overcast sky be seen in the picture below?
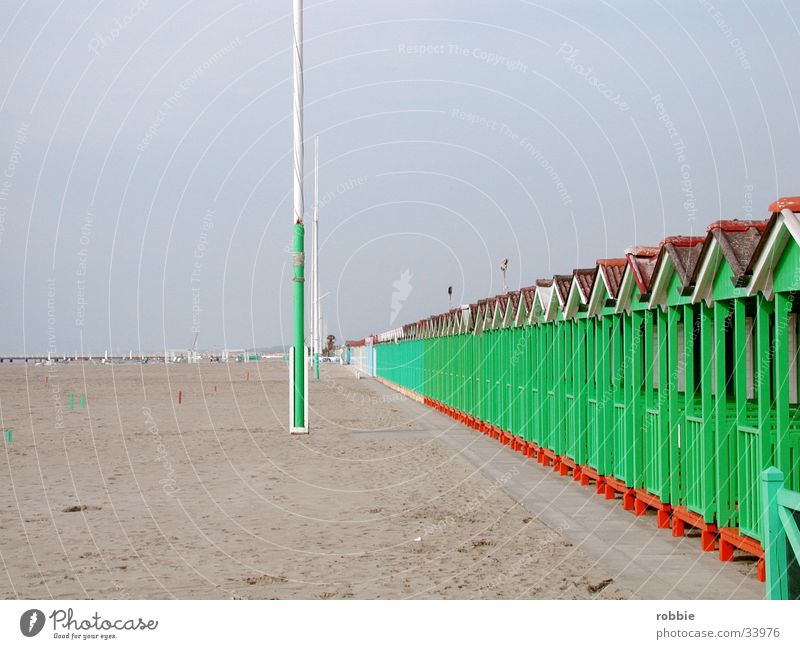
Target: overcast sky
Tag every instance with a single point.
(145, 187)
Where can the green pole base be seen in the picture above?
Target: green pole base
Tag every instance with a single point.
(300, 360)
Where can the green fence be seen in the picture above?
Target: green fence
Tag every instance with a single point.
(683, 385)
(781, 521)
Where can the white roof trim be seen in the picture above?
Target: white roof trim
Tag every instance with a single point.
(626, 287)
(553, 304)
(708, 270)
(658, 292)
(594, 303)
(573, 302)
(538, 308)
(521, 318)
(787, 224)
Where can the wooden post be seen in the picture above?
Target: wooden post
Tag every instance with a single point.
(774, 535)
(724, 471)
(709, 484)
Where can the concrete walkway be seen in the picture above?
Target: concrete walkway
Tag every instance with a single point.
(649, 561)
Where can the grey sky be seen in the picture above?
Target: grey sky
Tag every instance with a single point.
(453, 134)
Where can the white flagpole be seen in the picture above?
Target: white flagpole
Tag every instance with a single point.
(298, 383)
(315, 309)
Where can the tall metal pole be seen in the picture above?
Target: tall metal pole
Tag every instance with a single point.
(298, 423)
(315, 271)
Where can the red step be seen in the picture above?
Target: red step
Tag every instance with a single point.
(588, 474)
(614, 486)
(519, 445)
(708, 531)
(729, 538)
(565, 465)
(644, 500)
(529, 449)
(546, 456)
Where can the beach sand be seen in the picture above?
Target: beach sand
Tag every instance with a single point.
(135, 496)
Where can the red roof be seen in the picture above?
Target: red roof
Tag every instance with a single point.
(585, 278)
(642, 262)
(613, 269)
(786, 203)
(528, 294)
(682, 241)
(737, 225)
(684, 252)
(562, 284)
(738, 241)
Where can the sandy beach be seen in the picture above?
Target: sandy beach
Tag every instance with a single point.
(136, 496)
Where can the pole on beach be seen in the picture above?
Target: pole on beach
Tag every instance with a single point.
(315, 338)
(297, 378)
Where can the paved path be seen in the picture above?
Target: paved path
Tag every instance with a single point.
(650, 562)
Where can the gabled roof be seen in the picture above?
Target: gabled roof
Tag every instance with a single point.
(611, 271)
(488, 312)
(580, 290)
(608, 278)
(551, 300)
(492, 310)
(527, 295)
(501, 304)
(783, 226)
(512, 306)
(541, 299)
(466, 318)
(453, 322)
(684, 253)
(641, 261)
(562, 284)
(679, 255)
(513, 299)
(480, 319)
(584, 279)
(473, 316)
(736, 241)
